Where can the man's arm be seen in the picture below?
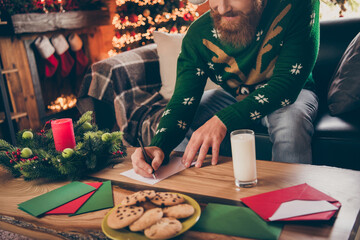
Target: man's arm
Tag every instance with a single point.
(180, 111)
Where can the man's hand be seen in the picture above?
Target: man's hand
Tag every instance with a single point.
(139, 164)
(211, 134)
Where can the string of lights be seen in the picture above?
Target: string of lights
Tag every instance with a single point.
(136, 20)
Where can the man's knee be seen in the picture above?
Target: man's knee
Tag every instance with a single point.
(291, 129)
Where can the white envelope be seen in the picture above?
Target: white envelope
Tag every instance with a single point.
(301, 207)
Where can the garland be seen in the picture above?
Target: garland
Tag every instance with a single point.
(35, 156)
(12, 7)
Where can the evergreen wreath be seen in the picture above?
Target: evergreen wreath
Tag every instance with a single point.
(36, 157)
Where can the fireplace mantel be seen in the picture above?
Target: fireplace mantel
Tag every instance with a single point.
(47, 22)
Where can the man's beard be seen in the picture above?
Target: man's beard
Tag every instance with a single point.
(241, 31)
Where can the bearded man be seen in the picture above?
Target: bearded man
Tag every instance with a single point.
(261, 53)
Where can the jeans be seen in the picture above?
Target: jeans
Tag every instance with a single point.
(290, 128)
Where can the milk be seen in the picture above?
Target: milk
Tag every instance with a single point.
(243, 155)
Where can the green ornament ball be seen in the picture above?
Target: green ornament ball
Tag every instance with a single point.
(87, 126)
(27, 135)
(26, 153)
(67, 152)
(106, 137)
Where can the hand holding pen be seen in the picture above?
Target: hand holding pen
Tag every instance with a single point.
(148, 160)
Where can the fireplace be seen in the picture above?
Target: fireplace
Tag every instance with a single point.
(32, 98)
(55, 95)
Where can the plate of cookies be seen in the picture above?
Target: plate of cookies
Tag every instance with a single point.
(151, 215)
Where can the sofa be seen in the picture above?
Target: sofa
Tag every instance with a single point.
(125, 91)
(336, 141)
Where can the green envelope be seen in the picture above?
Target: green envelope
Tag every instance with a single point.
(236, 221)
(48, 201)
(101, 199)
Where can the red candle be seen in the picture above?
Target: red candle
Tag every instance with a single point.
(63, 132)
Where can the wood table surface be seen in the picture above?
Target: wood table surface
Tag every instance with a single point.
(206, 184)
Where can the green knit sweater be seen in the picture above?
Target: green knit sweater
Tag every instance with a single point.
(270, 72)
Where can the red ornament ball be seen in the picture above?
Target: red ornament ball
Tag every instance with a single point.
(133, 18)
(122, 19)
(188, 17)
(117, 35)
(173, 29)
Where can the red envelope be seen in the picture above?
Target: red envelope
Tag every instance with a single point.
(72, 206)
(266, 204)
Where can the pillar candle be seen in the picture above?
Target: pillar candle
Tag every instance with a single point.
(63, 132)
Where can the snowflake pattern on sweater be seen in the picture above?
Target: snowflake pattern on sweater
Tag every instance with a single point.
(266, 75)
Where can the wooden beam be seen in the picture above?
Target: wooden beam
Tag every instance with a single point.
(14, 116)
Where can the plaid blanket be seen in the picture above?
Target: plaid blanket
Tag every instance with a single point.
(127, 83)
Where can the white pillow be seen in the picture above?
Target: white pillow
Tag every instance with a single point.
(168, 48)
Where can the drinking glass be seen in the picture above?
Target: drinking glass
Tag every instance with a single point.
(243, 156)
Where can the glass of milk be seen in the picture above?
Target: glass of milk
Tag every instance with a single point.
(243, 156)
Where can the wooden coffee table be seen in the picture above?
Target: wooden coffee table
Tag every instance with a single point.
(206, 184)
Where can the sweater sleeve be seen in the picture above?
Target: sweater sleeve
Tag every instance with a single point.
(180, 111)
(293, 67)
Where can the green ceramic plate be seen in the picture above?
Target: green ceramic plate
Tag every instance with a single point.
(122, 234)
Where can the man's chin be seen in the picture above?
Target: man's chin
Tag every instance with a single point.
(235, 38)
(229, 26)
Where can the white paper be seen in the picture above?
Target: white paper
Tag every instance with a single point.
(301, 207)
(174, 166)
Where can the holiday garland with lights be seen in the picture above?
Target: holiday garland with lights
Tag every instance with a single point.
(36, 157)
(12, 7)
(136, 20)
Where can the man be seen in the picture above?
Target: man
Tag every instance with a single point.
(261, 53)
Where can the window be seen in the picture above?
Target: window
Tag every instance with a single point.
(329, 11)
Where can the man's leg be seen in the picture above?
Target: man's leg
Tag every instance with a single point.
(291, 129)
(211, 102)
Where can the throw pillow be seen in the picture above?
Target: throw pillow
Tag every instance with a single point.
(168, 48)
(344, 91)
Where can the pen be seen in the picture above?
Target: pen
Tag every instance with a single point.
(147, 158)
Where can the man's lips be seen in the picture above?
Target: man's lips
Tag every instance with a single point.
(230, 18)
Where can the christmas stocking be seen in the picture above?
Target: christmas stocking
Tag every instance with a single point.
(76, 45)
(47, 51)
(62, 49)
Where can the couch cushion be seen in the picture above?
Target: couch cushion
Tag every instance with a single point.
(344, 91)
(169, 47)
(336, 35)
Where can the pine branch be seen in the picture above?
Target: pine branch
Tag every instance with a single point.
(5, 146)
(9, 166)
(86, 117)
(72, 166)
(38, 169)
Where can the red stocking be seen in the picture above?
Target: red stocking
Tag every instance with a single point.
(47, 51)
(62, 49)
(76, 45)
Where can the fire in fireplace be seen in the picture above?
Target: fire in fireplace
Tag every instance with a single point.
(62, 103)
